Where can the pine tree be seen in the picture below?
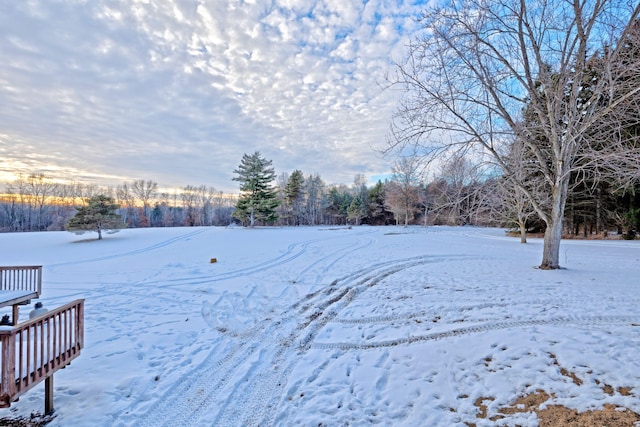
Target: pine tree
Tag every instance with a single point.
(258, 199)
(357, 210)
(98, 215)
(378, 213)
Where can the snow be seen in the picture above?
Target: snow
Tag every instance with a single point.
(333, 326)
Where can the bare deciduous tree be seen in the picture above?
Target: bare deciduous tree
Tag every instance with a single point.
(482, 63)
(515, 189)
(33, 194)
(294, 197)
(313, 189)
(145, 191)
(403, 194)
(457, 190)
(189, 198)
(40, 189)
(127, 200)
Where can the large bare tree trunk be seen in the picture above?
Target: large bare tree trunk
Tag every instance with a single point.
(551, 248)
(551, 251)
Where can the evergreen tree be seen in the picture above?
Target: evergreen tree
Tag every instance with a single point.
(339, 200)
(378, 213)
(258, 199)
(357, 210)
(98, 215)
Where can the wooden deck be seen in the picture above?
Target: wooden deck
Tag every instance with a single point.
(34, 350)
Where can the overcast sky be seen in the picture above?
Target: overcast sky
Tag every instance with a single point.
(177, 91)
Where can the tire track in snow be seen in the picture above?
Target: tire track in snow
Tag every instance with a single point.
(187, 401)
(133, 252)
(271, 351)
(439, 312)
(411, 262)
(137, 289)
(293, 251)
(254, 401)
(584, 321)
(334, 257)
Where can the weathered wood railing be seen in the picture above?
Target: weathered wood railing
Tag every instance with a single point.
(19, 285)
(36, 349)
(22, 278)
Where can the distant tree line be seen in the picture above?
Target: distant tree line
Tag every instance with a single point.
(460, 192)
(37, 203)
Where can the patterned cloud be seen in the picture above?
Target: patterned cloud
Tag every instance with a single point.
(176, 91)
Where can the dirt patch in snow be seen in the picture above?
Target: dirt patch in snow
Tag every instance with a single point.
(560, 416)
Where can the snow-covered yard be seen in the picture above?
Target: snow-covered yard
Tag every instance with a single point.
(313, 326)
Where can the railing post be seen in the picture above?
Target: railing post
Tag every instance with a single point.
(15, 314)
(39, 279)
(8, 375)
(48, 395)
(80, 324)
